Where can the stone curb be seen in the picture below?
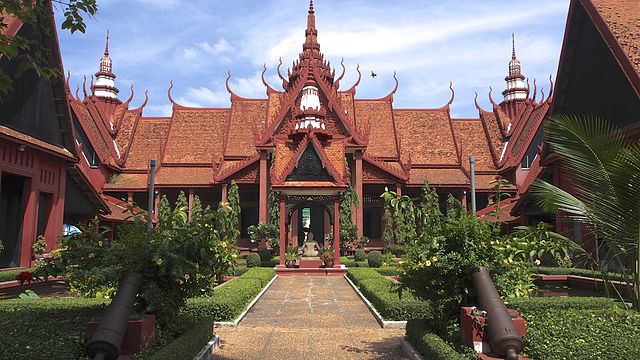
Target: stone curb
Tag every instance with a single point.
(207, 352)
(410, 351)
(383, 323)
(244, 313)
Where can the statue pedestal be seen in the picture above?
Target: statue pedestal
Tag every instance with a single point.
(310, 262)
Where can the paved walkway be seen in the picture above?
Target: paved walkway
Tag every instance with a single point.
(309, 317)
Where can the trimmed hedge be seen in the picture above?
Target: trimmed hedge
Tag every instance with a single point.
(430, 345)
(388, 271)
(360, 255)
(10, 275)
(583, 334)
(375, 259)
(547, 270)
(188, 345)
(231, 299)
(54, 327)
(382, 294)
(253, 260)
(533, 304)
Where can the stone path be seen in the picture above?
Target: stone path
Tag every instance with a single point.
(309, 317)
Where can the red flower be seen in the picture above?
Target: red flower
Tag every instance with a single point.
(24, 276)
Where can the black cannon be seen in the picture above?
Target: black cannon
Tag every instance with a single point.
(106, 341)
(504, 338)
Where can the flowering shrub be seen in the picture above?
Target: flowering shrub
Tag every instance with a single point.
(443, 251)
(25, 276)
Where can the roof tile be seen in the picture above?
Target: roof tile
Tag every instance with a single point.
(196, 136)
(426, 136)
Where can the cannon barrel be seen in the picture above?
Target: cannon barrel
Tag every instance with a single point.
(107, 340)
(504, 338)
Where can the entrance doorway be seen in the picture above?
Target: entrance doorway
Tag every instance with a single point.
(11, 217)
(311, 215)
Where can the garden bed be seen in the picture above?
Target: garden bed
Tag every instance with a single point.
(383, 295)
(579, 328)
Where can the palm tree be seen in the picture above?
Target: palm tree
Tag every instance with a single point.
(603, 168)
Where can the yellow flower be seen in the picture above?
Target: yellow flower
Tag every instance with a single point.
(427, 263)
(434, 258)
(537, 262)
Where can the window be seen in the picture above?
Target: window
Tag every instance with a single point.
(306, 217)
(248, 217)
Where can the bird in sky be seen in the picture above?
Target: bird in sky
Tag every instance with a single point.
(373, 75)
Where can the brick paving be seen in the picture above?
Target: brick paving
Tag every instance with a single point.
(309, 317)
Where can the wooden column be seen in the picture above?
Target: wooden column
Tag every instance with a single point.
(336, 231)
(463, 200)
(283, 229)
(190, 199)
(399, 189)
(262, 205)
(358, 187)
(130, 197)
(30, 220)
(156, 201)
(224, 193)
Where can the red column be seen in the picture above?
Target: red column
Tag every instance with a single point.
(225, 191)
(156, 202)
(336, 231)
(283, 230)
(262, 205)
(463, 200)
(30, 220)
(358, 187)
(190, 199)
(399, 189)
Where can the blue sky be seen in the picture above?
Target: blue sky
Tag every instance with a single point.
(429, 43)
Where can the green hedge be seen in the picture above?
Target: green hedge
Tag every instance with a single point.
(188, 345)
(50, 327)
(533, 304)
(583, 334)
(382, 294)
(10, 275)
(388, 271)
(547, 270)
(231, 299)
(430, 345)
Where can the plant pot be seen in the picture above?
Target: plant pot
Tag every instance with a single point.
(290, 264)
(328, 264)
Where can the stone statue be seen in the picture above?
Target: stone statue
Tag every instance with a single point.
(310, 248)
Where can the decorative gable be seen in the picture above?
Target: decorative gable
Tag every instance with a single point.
(310, 167)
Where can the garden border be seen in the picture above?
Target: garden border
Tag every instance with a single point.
(251, 304)
(207, 352)
(383, 323)
(408, 350)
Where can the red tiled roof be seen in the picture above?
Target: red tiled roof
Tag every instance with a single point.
(244, 114)
(23, 138)
(492, 130)
(147, 142)
(195, 136)
(471, 140)
(335, 155)
(123, 138)
(382, 136)
(426, 135)
(90, 127)
(128, 181)
(483, 182)
(623, 19)
(184, 176)
(441, 177)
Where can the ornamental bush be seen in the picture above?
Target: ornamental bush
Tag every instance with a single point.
(253, 260)
(375, 259)
(265, 255)
(179, 259)
(360, 255)
(430, 345)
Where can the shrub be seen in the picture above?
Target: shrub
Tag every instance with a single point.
(375, 259)
(196, 334)
(52, 326)
(230, 299)
(388, 271)
(582, 334)
(526, 305)
(430, 345)
(265, 255)
(253, 260)
(360, 255)
(10, 275)
(384, 296)
(548, 270)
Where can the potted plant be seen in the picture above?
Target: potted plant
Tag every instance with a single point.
(290, 257)
(327, 257)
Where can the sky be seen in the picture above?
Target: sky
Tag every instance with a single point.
(428, 43)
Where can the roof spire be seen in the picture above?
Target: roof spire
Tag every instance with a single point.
(106, 46)
(516, 89)
(311, 47)
(105, 78)
(513, 46)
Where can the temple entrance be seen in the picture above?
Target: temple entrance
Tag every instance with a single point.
(11, 217)
(311, 219)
